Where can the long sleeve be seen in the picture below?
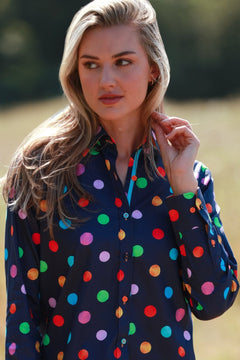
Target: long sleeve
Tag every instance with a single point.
(209, 270)
(22, 279)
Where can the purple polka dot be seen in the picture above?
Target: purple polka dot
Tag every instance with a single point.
(104, 256)
(134, 289)
(101, 335)
(52, 302)
(207, 288)
(23, 289)
(80, 169)
(22, 214)
(12, 348)
(180, 313)
(84, 317)
(136, 214)
(86, 238)
(187, 335)
(13, 271)
(98, 184)
(189, 272)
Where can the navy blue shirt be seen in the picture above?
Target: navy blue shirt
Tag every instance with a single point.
(123, 283)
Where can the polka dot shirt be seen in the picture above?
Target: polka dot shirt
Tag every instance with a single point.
(123, 283)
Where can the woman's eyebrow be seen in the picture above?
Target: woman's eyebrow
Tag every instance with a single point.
(123, 53)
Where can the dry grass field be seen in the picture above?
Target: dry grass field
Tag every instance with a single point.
(218, 127)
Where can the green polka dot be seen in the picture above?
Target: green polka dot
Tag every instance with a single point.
(204, 168)
(199, 307)
(217, 222)
(141, 183)
(132, 329)
(20, 252)
(103, 219)
(46, 340)
(102, 296)
(137, 251)
(24, 328)
(189, 195)
(94, 151)
(180, 235)
(43, 266)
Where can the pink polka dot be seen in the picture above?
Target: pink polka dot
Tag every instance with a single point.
(180, 313)
(52, 302)
(13, 271)
(80, 169)
(207, 288)
(136, 214)
(12, 348)
(104, 256)
(101, 335)
(189, 272)
(134, 289)
(98, 184)
(22, 214)
(84, 317)
(86, 238)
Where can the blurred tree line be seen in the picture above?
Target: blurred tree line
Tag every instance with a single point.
(201, 38)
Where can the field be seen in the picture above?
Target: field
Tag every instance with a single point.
(218, 127)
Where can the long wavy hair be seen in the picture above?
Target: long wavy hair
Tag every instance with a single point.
(44, 165)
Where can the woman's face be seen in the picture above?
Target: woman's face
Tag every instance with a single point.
(114, 72)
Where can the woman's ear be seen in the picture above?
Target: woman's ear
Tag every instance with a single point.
(154, 72)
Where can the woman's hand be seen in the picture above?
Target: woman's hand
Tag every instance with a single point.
(179, 146)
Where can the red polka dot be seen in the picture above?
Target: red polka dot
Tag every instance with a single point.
(118, 202)
(53, 246)
(198, 251)
(83, 202)
(87, 276)
(134, 178)
(58, 320)
(192, 210)
(117, 353)
(85, 152)
(181, 351)
(174, 215)
(131, 161)
(150, 311)
(182, 250)
(12, 308)
(12, 230)
(36, 238)
(209, 208)
(158, 234)
(161, 171)
(120, 275)
(83, 354)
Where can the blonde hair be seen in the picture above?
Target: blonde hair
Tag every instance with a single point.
(45, 164)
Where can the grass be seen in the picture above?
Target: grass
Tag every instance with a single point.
(216, 123)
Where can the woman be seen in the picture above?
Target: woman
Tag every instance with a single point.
(113, 236)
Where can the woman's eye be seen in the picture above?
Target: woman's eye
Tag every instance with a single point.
(90, 65)
(123, 62)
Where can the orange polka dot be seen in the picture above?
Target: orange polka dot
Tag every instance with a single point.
(134, 178)
(60, 355)
(150, 311)
(87, 276)
(157, 201)
(32, 274)
(83, 354)
(234, 286)
(192, 210)
(61, 280)
(121, 234)
(107, 162)
(198, 251)
(174, 215)
(154, 270)
(119, 312)
(188, 288)
(145, 347)
(181, 351)
(43, 205)
(124, 299)
(117, 353)
(37, 346)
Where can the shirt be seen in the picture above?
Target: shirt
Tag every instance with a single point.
(123, 283)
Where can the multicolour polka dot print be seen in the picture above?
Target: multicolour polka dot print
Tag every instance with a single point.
(123, 283)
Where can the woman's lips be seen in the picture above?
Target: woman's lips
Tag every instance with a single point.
(110, 99)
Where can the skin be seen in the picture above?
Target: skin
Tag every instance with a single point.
(114, 72)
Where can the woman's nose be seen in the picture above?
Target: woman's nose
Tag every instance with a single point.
(107, 78)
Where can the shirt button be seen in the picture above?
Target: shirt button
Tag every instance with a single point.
(126, 256)
(123, 342)
(126, 215)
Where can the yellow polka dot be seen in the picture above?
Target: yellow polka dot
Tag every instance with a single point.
(234, 286)
(37, 346)
(145, 347)
(121, 234)
(119, 312)
(32, 274)
(198, 203)
(61, 280)
(154, 270)
(156, 201)
(188, 288)
(107, 162)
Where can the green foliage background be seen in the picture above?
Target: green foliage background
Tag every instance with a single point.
(202, 40)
